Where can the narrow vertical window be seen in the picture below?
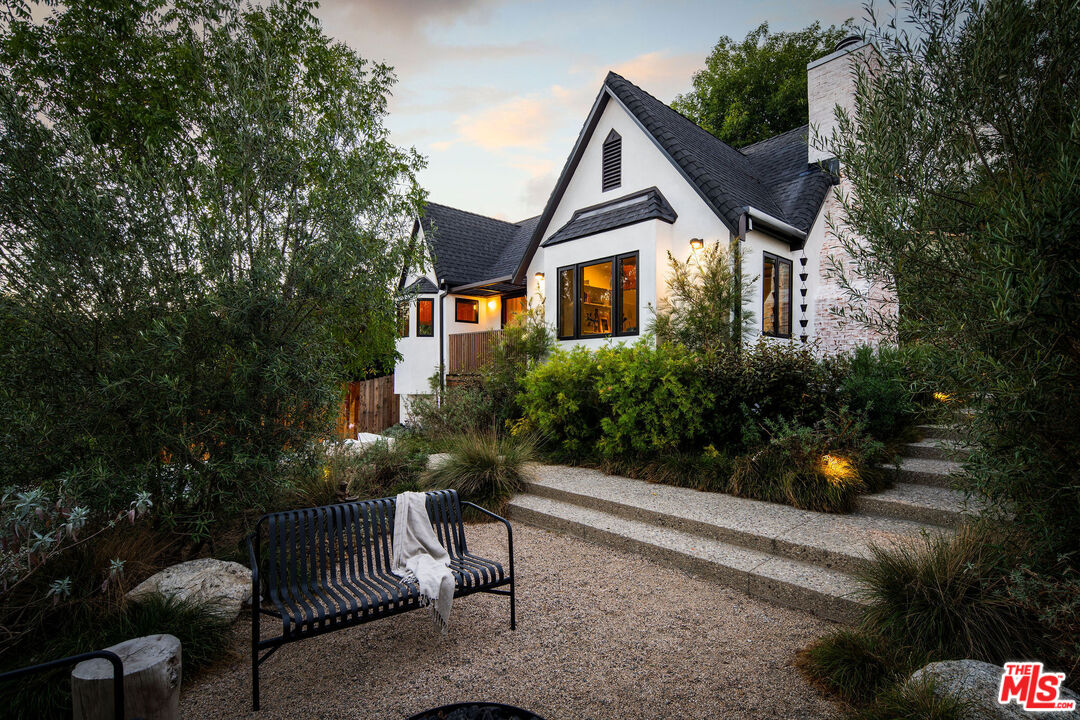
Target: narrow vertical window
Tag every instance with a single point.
(612, 173)
(403, 320)
(566, 303)
(597, 299)
(628, 296)
(425, 318)
(776, 296)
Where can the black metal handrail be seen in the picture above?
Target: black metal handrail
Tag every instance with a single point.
(118, 674)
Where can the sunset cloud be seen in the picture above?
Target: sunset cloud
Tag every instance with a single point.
(523, 122)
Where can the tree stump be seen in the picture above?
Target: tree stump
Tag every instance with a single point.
(151, 681)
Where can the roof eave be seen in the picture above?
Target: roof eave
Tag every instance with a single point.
(775, 226)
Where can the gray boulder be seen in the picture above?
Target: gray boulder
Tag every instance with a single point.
(978, 683)
(224, 585)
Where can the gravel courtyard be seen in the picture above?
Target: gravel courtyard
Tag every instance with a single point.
(601, 634)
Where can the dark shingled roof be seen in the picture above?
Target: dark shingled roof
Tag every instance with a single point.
(421, 286)
(626, 210)
(772, 176)
(471, 248)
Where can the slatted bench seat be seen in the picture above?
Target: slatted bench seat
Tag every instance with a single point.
(327, 568)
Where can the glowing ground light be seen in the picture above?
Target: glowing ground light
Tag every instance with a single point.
(942, 397)
(836, 469)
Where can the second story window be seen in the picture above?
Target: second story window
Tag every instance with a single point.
(612, 175)
(425, 317)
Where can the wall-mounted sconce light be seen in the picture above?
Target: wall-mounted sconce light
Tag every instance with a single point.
(492, 304)
(696, 244)
(539, 278)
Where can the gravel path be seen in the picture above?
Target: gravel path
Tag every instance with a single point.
(601, 634)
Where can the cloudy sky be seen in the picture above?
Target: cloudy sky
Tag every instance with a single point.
(494, 92)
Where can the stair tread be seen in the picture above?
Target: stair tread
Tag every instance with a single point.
(924, 496)
(740, 559)
(762, 525)
(930, 465)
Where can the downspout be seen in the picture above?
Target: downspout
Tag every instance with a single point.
(442, 352)
(743, 224)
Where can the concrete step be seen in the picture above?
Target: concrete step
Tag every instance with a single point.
(923, 471)
(935, 450)
(821, 591)
(917, 503)
(939, 432)
(832, 541)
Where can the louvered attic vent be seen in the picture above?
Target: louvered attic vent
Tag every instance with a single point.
(612, 161)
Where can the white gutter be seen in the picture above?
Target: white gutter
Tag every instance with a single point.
(773, 223)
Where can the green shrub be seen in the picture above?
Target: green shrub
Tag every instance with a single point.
(452, 410)
(654, 399)
(879, 384)
(382, 469)
(822, 468)
(707, 470)
(913, 701)
(850, 664)
(561, 403)
(767, 382)
(523, 344)
(204, 638)
(485, 469)
(948, 597)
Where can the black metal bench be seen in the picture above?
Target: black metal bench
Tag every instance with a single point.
(328, 568)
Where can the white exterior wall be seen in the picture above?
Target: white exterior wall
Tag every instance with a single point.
(643, 166)
(420, 355)
(754, 248)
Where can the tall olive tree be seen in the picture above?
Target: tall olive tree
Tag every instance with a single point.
(201, 218)
(963, 164)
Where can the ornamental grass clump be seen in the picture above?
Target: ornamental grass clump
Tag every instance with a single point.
(822, 468)
(949, 597)
(851, 664)
(485, 469)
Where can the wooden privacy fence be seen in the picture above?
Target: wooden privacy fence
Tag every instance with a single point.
(370, 406)
(471, 351)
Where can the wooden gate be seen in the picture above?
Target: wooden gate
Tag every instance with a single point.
(369, 406)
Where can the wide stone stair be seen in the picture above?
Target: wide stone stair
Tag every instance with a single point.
(781, 554)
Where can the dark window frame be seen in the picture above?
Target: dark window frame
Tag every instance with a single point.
(502, 306)
(403, 320)
(611, 166)
(468, 301)
(777, 261)
(616, 302)
(431, 302)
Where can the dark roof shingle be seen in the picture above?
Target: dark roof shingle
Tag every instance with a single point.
(470, 248)
(772, 176)
(634, 208)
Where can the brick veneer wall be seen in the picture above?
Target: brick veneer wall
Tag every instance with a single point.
(833, 333)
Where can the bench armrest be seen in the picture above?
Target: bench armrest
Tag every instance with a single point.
(504, 521)
(256, 590)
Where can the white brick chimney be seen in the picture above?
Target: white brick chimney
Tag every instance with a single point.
(830, 81)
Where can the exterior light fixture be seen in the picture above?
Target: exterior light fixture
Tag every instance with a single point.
(491, 304)
(942, 397)
(539, 278)
(837, 470)
(696, 244)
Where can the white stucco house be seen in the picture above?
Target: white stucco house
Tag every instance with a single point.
(640, 181)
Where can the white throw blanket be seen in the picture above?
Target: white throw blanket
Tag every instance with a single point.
(419, 558)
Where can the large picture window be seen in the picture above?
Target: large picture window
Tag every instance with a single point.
(466, 311)
(599, 298)
(776, 297)
(425, 318)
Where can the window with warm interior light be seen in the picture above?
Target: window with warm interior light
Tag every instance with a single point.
(512, 307)
(776, 297)
(599, 298)
(425, 318)
(466, 311)
(403, 320)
